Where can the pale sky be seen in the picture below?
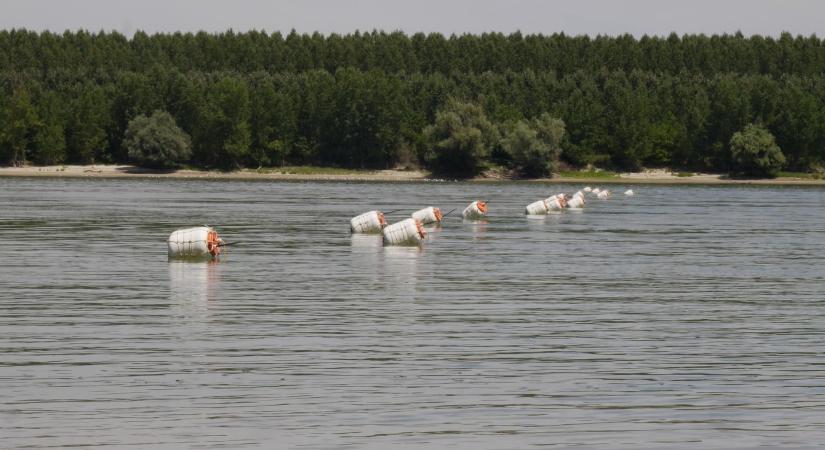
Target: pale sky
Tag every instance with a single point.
(638, 17)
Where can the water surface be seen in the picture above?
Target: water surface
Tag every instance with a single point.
(684, 317)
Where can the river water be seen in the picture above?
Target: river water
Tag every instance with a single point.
(683, 317)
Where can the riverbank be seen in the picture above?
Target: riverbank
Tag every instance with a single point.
(657, 176)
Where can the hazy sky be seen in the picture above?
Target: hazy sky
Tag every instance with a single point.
(637, 17)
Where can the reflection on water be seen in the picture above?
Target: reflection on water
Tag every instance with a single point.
(367, 242)
(433, 227)
(192, 287)
(645, 322)
(401, 264)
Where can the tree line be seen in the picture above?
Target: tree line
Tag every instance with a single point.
(398, 52)
(377, 100)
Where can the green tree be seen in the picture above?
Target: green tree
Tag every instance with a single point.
(18, 122)
(224, 135)
(461, 139)
(87, 138)
(534, 146)
(49, 143)
(754, 152)
(157, 141)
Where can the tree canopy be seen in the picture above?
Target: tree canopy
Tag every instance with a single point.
(371, 100)
(157, 141)
(755, 153)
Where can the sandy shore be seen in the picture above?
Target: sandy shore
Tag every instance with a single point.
(657, 176)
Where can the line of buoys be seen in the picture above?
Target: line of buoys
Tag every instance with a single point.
(204, 243)
(560, 202)
(553, 203)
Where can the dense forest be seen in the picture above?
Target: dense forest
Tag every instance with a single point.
(381, 100)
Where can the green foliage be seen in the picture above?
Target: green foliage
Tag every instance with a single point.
(157, 141)
(754, 152)
(18, 123)
(49, 141)
(534, 146)
(364, 100)
(225, 137)
(460, 140)
(86, 135)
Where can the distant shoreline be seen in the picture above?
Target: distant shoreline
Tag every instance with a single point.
(275, 174)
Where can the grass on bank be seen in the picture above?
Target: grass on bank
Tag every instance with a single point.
(802, 175)
(587, 174)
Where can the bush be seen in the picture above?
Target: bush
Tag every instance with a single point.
(460, 140)
(534, 146)
(754, 153)
(156, 141)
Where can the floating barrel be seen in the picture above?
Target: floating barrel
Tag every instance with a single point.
(556, 202)
(577, 201)
(369, 222)
(427, 215)
(406, 232)
(196, 242)
(476, 210)
(536, 208)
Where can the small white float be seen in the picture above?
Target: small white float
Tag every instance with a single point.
(406, 232)
(603, 195)
(587, 189)
(629, 193)
(476, 210)
(577, 201)
(428, 215)
(195, 243)
(369, 222)
(556, 202)
(536, 208)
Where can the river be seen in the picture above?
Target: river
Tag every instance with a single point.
(682, 318)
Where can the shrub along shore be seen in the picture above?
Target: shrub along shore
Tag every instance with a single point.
(454, 105)
(308, 173)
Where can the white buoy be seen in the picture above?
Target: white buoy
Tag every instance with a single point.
(475, 210)
(369, 222)
(587, 189)
(428, 215)
(577, 201)
(406, 232)
(536, 208)
(556, 202)
(196, 242)
(629, 192)
(605, 194)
